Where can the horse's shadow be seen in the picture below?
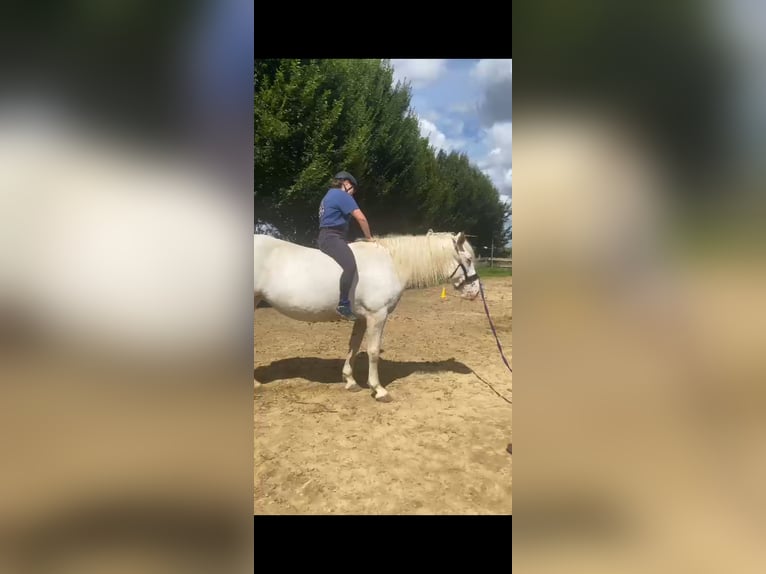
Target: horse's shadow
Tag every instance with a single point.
(328, 371)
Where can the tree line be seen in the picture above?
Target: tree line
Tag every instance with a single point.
(315, 117)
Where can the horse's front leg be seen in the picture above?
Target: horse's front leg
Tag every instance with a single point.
(353, 348)
(375, 327)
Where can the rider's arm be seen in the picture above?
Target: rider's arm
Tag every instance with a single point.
(359, 216)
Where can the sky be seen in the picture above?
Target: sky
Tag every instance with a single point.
(465, 106)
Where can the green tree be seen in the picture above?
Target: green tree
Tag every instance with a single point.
(315, 117)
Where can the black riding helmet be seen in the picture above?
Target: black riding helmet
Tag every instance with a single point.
(345, 175)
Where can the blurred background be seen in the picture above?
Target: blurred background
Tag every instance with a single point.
(640, 132)
(126, 133)
(125, 190)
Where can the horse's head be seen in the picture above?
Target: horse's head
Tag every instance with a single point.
(464, 278)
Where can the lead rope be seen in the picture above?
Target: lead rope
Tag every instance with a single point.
(509, 448)
(494, 332)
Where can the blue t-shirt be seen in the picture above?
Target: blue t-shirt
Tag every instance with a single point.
(335, 208)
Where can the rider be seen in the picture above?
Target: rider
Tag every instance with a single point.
(334, 211)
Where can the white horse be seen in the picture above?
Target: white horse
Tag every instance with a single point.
(303, 283)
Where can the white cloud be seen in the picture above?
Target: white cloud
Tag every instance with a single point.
(436, 137)
(493, 71)
(430, 131)
(444, 123)
(418, 72)
(498, 163)
(501, 177)
(501, 141)
(468, 99)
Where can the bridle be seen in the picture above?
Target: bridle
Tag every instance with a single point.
(467, 279)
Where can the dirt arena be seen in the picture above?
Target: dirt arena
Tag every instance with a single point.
(438, 448)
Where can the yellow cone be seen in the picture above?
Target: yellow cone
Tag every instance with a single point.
(444, 293)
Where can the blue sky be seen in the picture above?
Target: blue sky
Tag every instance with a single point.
(465, 105)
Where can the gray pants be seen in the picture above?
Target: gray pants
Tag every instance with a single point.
(333, 243)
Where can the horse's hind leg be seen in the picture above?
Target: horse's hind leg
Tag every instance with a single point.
(353, 348)
(375, 326)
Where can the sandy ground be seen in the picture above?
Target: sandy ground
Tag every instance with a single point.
(438, 448)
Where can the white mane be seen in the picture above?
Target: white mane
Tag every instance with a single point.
(422, 260)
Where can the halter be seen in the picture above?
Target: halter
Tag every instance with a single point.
(467, 279)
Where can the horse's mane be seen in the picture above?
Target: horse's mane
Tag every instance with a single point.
(422, 260)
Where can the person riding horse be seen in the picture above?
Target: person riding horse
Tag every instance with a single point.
(335, 210)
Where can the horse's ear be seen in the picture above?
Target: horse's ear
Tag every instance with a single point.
(458, 239)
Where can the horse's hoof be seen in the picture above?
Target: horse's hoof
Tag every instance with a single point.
(384, 399)
(509, 448)
(355, 388)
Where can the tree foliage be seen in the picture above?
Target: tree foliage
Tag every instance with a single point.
(314, 118)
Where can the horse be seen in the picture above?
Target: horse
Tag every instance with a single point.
(302, 283)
